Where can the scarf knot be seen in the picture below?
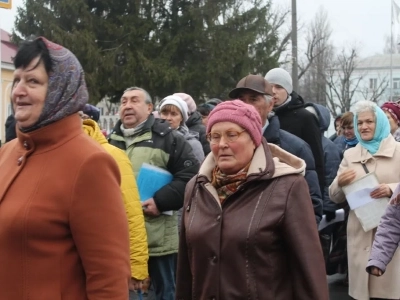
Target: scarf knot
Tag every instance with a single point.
(226, 185)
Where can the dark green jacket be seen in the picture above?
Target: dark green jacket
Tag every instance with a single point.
(160, 146)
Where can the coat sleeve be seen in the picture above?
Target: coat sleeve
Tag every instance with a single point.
(100, 229)
(204, 142)
(301, 237)
(387, 238)
(312, 136)
(184, 274)
(183, 165)
(312, 181)
(335, 191)
(332, 162)
(137, 231)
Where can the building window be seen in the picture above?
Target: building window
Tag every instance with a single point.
(373, 82)
(396, 83)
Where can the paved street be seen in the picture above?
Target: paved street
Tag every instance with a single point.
(337, 291)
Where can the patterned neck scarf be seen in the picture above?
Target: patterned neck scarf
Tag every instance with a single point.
(226, 185)
(67, 92)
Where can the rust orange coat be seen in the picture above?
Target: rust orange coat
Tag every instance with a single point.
(63, 228)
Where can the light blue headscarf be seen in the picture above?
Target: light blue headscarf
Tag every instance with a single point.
(382, 131)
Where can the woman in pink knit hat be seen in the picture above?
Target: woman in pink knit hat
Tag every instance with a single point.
(248, 228)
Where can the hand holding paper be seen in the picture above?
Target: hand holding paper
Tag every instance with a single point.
(368, 210)
(383, 190)
(150, 179)
(150, 208)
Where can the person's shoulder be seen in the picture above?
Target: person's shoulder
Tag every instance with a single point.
(292, 141)
(115, 152)
(82, 147)
(161, 127)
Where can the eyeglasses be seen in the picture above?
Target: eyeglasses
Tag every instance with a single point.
(230, 136)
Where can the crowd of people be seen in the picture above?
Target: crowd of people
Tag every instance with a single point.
(250, 180)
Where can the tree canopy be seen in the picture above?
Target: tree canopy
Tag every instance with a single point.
(201, 47)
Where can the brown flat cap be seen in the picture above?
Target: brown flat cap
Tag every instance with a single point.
(255, 83)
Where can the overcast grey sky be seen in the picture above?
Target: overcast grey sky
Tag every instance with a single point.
(365, 22)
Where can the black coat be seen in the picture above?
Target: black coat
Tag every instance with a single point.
(194, 124)
(11, 132)
(297, 120)
(296, 146)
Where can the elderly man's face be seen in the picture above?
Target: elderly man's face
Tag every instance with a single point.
(134, 109)
(262, 103)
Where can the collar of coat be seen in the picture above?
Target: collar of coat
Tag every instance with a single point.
(269, 161)
(159, 126)
(360, 154)
(51, 136)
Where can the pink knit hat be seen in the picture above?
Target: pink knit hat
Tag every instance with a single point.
(240, 113)
(189, 101)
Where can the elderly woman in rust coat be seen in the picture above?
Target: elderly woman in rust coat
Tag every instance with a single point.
(248, 228)
(63, 227)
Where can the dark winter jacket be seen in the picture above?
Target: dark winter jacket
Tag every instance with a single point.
(295, 119)
(165, 148)
(10, 128)
(332, 157)
(340, 143)
(296, 146)
(194, 124)
(261, 243)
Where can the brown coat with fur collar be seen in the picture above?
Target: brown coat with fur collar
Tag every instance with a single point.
(262, 243)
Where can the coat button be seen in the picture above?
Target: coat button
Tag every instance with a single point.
(19, 162)
(26, 145)
(219, 218)
(213, 259)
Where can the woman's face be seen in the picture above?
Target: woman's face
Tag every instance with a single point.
(366, 125)
(392, 122)
(204, 120)
(172, 115)
(29, 93)
(348, 131)
(231, 157)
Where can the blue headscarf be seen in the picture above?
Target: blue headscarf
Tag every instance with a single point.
(382, 131)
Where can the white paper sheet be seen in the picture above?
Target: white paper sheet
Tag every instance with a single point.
(339, 217)
(359, 198)
(368, 210)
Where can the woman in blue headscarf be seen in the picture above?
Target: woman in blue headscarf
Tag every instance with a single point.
(378, 152)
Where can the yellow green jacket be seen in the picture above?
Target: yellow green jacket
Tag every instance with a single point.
(130, 194)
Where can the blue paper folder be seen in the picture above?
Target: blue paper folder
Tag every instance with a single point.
(151, 179)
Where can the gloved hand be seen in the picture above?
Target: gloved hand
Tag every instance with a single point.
(330, 215)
